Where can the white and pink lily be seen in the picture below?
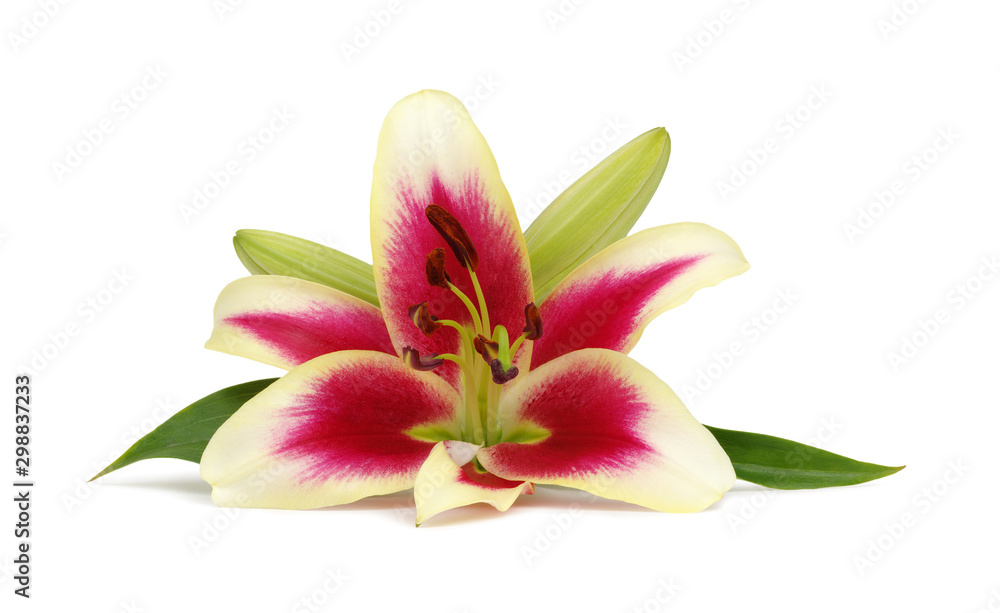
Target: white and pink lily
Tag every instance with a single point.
(459, 386)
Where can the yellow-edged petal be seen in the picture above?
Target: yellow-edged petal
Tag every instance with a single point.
(430, 152)
(448, 479)
(333, 430)
(598, 421)
(608, 301)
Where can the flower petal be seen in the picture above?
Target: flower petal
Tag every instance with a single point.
(284, 321)
(448, 480)
(609, 300)
(331, 431)
(430, 152)
(598, 421)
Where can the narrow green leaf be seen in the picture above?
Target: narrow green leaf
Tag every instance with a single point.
(786, 465)
(597, 210)
(273, 253)
(185, 435)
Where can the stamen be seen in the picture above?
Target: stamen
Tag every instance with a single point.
(436, 274)
(415, 361)
(501, 376)
(421, 316)
(533, 325)
(490, 350)
(455, 235)
(497, 355)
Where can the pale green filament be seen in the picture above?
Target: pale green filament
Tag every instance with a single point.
(462, 330)
(517, 343)
(482, 303)
(472, 308)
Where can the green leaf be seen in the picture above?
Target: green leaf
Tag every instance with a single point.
(185, 435)
(596, 211)
(274, 253)
(786, 465)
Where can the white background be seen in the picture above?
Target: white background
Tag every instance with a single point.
(544, 92)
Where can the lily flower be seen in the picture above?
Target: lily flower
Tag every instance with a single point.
(459, 386)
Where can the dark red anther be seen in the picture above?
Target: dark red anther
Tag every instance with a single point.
(533, 325)
(501, 376)
(490, 350)
(414, 360)
(455, 235)
(421, 316)
(436, 274)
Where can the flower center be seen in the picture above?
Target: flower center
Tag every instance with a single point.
(483, 378)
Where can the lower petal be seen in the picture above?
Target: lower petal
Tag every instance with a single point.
(598, 421)
(333, 430)
(448, 479)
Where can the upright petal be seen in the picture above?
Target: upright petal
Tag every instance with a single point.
(448, 479)
(338, 428)
(430, 152)
(598, 421)
(284, 321)
(608, 301)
